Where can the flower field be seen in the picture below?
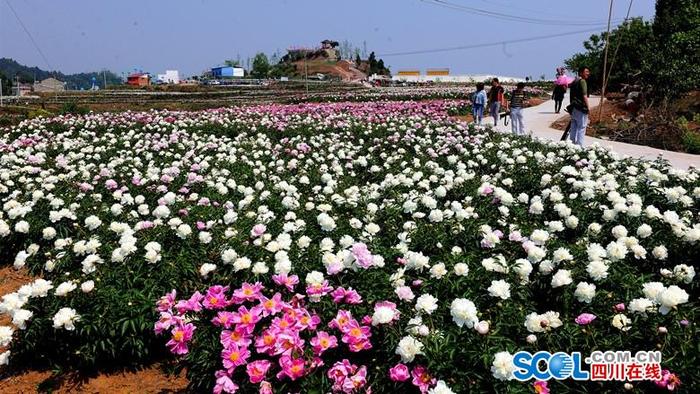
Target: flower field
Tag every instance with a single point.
(342, 247)
(407, 93)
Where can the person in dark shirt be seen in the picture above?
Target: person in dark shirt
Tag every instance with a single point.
(558, 96)
(496, 99)
(517, 103)
(579, 106)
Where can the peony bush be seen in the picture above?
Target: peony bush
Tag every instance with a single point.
(343, 247)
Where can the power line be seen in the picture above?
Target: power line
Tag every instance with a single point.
(497, 43)
(510, 17)
(29, 34)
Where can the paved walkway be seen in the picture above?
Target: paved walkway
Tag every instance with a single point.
(539, 118)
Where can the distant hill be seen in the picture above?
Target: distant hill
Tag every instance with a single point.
(9, 68)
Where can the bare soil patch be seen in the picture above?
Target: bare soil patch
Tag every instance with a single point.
(149, 380)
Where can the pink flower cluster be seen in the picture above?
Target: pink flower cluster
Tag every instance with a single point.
(420, 376)
(669, 380)
(261, 335)
(347, 377)
(355, 335)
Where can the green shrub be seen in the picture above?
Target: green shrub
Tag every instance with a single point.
(73, 108)
(691, 141)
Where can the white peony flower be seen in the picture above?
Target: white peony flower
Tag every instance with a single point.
(41, 287)
(66, 318)
(87, 286)
(499, 289)
(642, 305)
(438, 271)
(5, 358)
(206, 268)
(464, 312)
(502, 367)
(542, 323)
(408, 348)
(585, 292)
(426, 303)
(20, 317)
(441, 388)
(561, 278)
(622, 322)
(671, 297)
(65, 288)
(461, 269)
(5, 335)
(684, 273)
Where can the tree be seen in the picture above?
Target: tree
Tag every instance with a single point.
(232, 63)
(372, 60)
(358, 61)
(630, 41)
(6, 85)
(261, 66)
(673, 66)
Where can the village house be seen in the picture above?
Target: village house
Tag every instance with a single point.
(49, 85)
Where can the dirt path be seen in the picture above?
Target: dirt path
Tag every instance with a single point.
(146, 381)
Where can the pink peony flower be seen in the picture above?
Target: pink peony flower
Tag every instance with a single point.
(258, 230)
(166, 302)
(271, 306)
(111, 184)
(293, 368)
(238, 336)
(224, 384)
(247, 319)
(399, 373)
(422, 379)
(248, 292)
(287, 281)
(541, 387)
(322, 342)
(233, 356)
(257, 370)
(223, 319)
(265, 388)
(362, 255)
(669, 380)
(216, 297)
(181, 334)
(585, 318)
(405, 293)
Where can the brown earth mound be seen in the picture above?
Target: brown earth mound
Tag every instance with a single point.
(343, 70)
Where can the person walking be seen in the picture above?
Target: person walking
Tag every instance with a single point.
(579, 106)
(479, 103)
(496, 99)
(558, 96)
(517, 102)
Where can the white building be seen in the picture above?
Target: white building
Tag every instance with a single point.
(454, 78)
(170, 76)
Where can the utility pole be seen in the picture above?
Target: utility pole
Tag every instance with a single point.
(306, 76)
(0, 92)
(605, 66)
(104, 79)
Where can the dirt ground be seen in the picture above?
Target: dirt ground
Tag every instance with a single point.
(147, 381)
(610, 110)
(150, 380)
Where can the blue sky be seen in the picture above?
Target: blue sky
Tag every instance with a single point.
(192, 35)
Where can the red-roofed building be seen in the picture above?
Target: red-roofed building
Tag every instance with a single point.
(138, 79)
